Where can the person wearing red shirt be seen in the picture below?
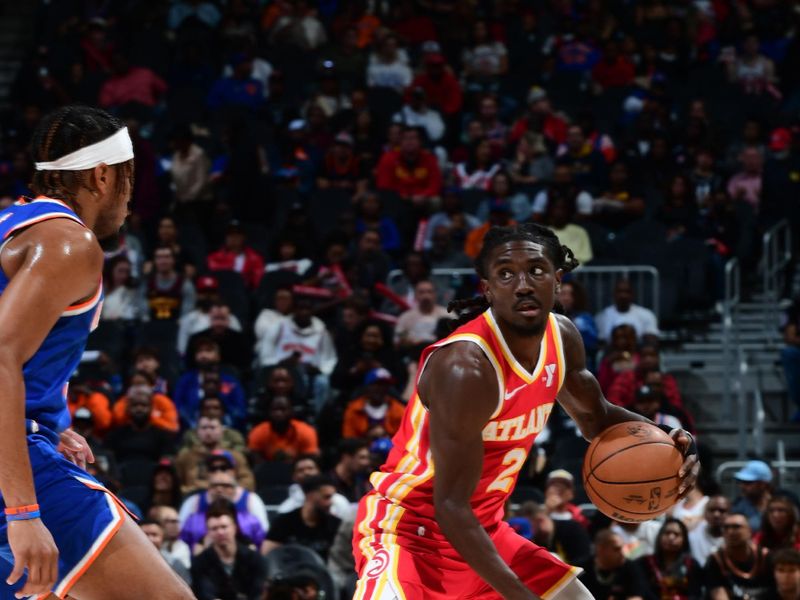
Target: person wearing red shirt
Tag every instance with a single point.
(540, 118)
(130, 84)
(614, 70)
(442, 89)
(235, 256)
(623, 390)
(411, 171)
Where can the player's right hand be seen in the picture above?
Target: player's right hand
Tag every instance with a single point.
(33, 549)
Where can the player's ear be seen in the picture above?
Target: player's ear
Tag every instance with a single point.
(559, 275)
(484, 286)
(100, 179)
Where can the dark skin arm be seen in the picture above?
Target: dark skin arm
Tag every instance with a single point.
(583, 400)
(51, 265)
(459, 387)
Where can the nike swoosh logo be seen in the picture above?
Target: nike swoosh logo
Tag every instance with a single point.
(513, 393)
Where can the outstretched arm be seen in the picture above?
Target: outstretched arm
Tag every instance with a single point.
(583, 400)
(460, 389)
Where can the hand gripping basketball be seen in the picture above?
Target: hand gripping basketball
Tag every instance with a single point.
(690, 469)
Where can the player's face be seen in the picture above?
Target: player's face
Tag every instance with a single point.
(521, 286)
(115, 196)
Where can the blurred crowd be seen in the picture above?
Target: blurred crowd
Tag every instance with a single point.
(312, 182)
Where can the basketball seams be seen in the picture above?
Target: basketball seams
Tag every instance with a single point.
(620, 451)
(649, 514)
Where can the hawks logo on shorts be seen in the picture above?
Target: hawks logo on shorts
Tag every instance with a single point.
(377, 564)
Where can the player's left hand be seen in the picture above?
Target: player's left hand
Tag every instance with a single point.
(690, 468)
(75, 448)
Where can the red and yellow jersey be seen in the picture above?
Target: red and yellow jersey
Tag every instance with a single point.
(524, 404)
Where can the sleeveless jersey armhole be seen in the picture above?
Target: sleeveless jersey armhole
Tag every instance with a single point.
(559, 340)
(481, 343)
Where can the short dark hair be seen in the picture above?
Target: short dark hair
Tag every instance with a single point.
(208, 399)
(786, 556)
(144, 352)
(220, 508)
(148, 521)
(351, 446)
(300, 457)
(315, 482)
(204, 342)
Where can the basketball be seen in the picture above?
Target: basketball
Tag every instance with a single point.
(630, 472)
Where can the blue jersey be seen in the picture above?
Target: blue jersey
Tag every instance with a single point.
(47, 372)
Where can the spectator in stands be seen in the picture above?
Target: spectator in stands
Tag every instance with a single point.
(139, 439)
(190, 170)
(240, 90)
(738, 569)
(671, 572)
(706, 538)
(573, 301)
(587, 165)
(779, 525)
(619, 203)
(234, 346)
(185, 258)
(227, 569)
(271, 315)
(355, 313)
(503, 188)
(236, 256)
(146, 360)
(415, 112)
(388, 68)
(638, 539)
(560, 217)
(173, 548)
(790, 355)
(751, 70)
(123, 297)
(251, 515)
(625, 385)
(104, 460)
(130, 85)
(306, 466)
(155, 533)
(80, 395)
(371, 216)
(341, 168)
(679, 212)
(691, 509)
(648, 402)
(478, 170)
(163, 415)
(786, 570)
(485, 59)
(444, 253)
(196, 463)
(281, 437)
(453, 217)
(311, 525)
(613, 70)
(611, 576)
(541, 118)
(755, 486)
(559, 492)
(169, 293)
(192, 386)
(416, 327)
(199, 319)
(531, 165)
(375, 406)
(746, 184)
(625, 311)
(563, 185)
(304, 345)
(499, 216)
(374, 351)
(620, 356)
(165, 487)
(442, 88)
(213, 407)
(204, 12)
(410, 171)
(566, 538)
(350, 475)
(278, 382)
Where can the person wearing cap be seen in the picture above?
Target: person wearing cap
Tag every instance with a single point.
(410, 171)
(281, 437)
(442, 88)
(415, 112)
(755, 487)
(375, 406)
(540, 117)
(199, 319)
(196, 463)
(236, 256)
(559, 492)
(499, 216)
(341, 169)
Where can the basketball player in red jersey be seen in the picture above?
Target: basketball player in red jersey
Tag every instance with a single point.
(432, 528)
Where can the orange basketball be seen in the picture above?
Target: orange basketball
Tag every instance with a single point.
(630, 472)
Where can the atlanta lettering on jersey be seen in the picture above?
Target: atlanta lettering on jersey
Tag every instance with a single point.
(518, 428)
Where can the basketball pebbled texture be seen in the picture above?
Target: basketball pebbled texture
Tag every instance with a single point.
(630, 472)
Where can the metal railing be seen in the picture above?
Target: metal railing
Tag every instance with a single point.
(777, 252)
(599, 282)
(787, 472)
(730, 306)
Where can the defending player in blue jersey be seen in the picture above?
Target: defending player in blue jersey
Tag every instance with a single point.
(60, 530)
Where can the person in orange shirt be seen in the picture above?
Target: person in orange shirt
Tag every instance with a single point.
(499, 215)
(375, 407)
(164, 414)
(280, 437)
(81, 395)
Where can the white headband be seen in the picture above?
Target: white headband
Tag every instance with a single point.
(113, 150)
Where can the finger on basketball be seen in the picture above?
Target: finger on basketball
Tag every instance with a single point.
(18, 570)
(688, 465)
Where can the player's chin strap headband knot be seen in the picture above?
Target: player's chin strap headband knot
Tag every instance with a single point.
(113, 150)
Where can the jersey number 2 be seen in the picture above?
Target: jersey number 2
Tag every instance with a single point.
(512, 462)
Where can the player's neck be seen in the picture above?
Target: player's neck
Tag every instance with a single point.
(523, 346)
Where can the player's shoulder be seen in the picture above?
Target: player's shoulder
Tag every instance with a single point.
(60, 237)
(460, 364)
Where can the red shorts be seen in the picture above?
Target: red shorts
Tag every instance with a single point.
(400, 557)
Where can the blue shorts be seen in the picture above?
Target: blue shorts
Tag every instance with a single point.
(81, 515)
